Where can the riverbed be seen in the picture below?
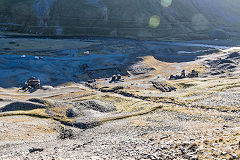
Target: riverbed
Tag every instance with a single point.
(57, 61)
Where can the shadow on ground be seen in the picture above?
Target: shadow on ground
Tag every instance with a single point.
(56, 61)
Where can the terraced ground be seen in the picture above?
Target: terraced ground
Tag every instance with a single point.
(142, 116)
(129, 119)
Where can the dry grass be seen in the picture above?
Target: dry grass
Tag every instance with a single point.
(163, 68)
(17, 120)
(39, 113)
(40, 128)
(34, 113)
(71, 95)
(124, 104)
(142, 112)
(221, 147)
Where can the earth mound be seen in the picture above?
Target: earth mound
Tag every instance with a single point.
(89, 105)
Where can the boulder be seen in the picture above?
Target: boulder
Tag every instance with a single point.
(35, 150)
(172, 77)
(119, 77)
(32, 83)
(114, 78)
(193, 74)
(183, 75)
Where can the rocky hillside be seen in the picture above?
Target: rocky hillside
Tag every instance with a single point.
(153, 19)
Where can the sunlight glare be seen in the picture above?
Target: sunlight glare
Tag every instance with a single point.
(166, 3)
(154, 21)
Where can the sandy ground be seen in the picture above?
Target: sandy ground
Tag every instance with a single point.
(127, 119)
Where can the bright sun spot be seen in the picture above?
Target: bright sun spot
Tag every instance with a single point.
(166, 3)
(154, 21)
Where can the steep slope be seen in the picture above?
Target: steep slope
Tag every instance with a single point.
(181, 19)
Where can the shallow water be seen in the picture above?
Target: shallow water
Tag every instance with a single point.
(76, 47)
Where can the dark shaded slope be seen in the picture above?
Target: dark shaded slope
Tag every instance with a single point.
(181, 19)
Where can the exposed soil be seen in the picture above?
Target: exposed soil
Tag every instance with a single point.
(141, 116)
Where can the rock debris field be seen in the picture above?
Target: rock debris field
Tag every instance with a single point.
(82, 112)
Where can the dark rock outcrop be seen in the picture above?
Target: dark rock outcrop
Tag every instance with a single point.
(235, 55)
(223, 65)
(192, 74)
(17, 106)
(163, 87)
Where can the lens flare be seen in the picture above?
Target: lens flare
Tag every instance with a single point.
(199, 22)
(166, 3)
(154, 21)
